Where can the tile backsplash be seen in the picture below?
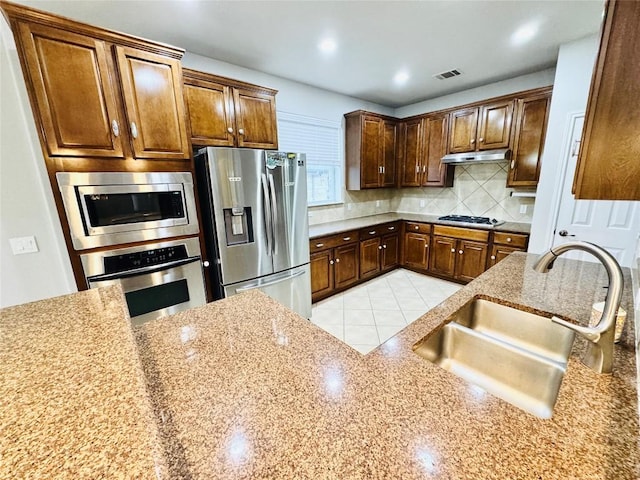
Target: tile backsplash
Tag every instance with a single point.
(477, 190)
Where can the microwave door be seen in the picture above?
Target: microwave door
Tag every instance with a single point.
(241, 214)
(288, 184)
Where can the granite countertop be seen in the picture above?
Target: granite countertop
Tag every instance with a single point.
(245, 388)
(340, 226)
(73, 401)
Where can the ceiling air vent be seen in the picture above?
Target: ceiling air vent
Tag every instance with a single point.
(449, 74)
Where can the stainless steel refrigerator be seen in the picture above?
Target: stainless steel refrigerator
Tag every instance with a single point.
(254, 208)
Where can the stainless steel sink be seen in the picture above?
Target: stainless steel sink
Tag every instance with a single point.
(514, 355)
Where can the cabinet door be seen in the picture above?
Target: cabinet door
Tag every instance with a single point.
(389, 153)
(462, 137)
(390, 251)
(443, 256)
(346, 266)
(416, 250)
(609, 161)
(530, 128)
(73, 92)
(370, 153)
(471, 260)
(412, 153)
(209, 113)
(495, 125)
(499, 252)
(152, 89)
(255, 115)
(435, 173)
(321, 273)
(370, 257)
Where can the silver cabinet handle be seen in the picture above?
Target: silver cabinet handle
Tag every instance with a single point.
(391, 228)
(379, 247)
(373, 232)
(460, 252)
(481, 139)
(331, 262)
(417, 168)
(384, 246)
(241, 131)
(134, 130)
(115, 128)
(453, 250)
(417, 227)
(508, 239)
(426, 245)
(205, 263)
(424, 168)
(513, 164)
(382, 169)
(337, 260)
(493, 257)
(319, 245)
(379, 169)
(230, 130)
(346, 239)
(473, 140)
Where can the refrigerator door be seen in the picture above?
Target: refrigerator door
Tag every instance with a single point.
(242, 217)
(291, 288)
(287, 178)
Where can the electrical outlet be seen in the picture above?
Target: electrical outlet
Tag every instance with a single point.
(523, 209)
(422, 203)
(22, 245)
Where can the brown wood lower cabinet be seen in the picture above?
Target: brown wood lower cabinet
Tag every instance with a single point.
(370, 257)
(416, 250)
(505, 243)
(499, 253)
(333, 269)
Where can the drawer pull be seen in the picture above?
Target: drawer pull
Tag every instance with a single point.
(460, 252)
(493, 257)
(331, 262)
(417, 227)
(373, 232)
(318, 245)
(509, 239)
(391, 228)
(453, 250)
(384, 246)
(379, 247)
(346, 239)
(426, 245)
(337, 260)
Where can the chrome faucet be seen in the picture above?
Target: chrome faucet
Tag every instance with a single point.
(599, 353)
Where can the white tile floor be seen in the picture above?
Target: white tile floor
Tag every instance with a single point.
(368, 315)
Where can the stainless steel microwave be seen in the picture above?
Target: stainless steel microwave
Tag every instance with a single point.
(112, 208)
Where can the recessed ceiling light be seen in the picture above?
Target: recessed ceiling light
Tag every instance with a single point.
(328, 45)
(525, 33)
(401, 77)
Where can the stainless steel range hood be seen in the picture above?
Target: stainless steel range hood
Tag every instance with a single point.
(486, 156)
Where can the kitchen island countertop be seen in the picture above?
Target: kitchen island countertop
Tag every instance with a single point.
(244, 388)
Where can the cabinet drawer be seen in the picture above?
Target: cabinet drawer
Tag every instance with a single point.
(322, 243)
(511, 239)
(463, 233)
(417, 227)
(377, 230)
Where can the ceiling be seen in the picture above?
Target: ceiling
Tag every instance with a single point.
(375, 39)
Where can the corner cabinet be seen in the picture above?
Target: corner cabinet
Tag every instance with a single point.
(88, 107)
(379, 249)
(227, 113)
(530, 126)
(371, 150)
(334, 264)
(608, 163)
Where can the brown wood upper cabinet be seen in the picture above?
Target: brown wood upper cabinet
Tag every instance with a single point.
(531, 116)
(424, 143)
(608, 167)
(484, 127)
(371, 150)
(89, 108)
(225, 112)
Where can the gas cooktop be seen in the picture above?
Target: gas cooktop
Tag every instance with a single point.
(473, 220)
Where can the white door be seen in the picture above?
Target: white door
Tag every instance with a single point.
(614, 225)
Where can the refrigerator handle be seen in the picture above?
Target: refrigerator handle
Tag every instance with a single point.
(274, 213)
(253, 286)
(267, 214)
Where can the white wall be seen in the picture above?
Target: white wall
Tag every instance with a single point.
(570, 93)
(542, 78)
(26, 202)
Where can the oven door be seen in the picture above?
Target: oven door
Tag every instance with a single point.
(160, 291)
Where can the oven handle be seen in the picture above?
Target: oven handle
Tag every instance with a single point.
(142, 270)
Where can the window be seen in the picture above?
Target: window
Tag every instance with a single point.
(320, 140)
